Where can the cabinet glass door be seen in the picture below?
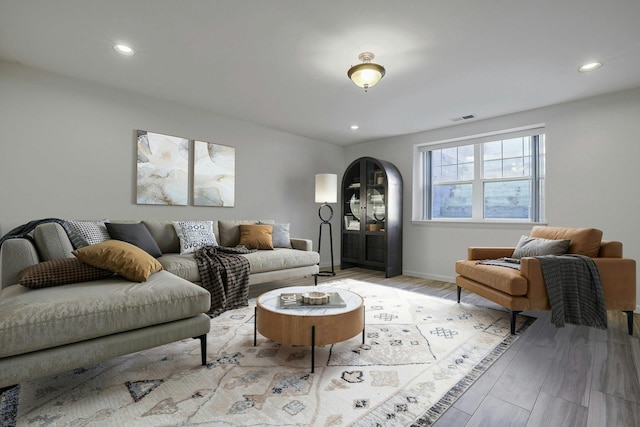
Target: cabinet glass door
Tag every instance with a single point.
(353, 206)
(375, 197)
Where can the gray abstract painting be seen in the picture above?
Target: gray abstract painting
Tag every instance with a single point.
(163, 169)
(214, 174)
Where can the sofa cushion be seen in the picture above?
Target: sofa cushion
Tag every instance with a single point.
(280, 259)
(123, 258)
(136, 234)
(185, 266)
(60, 272)
(32, 320)
(229, 230)
(52, 241)
(194, 235)
(164, 233)
(537, 246)
(90, 231)
(507, 280)
(256, 236)
(584, 241)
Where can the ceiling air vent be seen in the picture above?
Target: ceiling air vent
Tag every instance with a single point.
(467, 117)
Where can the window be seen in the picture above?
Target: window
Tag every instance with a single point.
(497, 178)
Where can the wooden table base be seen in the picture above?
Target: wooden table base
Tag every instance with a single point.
(301, 329)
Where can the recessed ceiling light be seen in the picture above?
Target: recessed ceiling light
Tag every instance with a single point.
(590, 67)
(354, 127)
(124, 49)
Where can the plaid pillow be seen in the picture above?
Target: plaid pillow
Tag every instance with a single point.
(91, 232)
(60, 272)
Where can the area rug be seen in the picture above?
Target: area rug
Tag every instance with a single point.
(420, 354)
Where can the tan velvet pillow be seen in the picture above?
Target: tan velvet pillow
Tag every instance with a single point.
(255, 236)
(584, 241)
(123, 258)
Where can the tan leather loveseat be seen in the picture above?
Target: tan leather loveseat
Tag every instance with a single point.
(524, 289)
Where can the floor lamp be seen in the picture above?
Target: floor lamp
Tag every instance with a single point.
(326, 192)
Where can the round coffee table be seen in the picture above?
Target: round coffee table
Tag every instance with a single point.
(308, 325)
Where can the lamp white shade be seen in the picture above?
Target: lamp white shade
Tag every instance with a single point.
(326, 188)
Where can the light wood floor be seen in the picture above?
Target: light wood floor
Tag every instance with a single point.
(573, 376)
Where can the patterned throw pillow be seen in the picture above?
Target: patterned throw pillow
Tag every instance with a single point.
(194, 235)
(91, 232)
(60, 272)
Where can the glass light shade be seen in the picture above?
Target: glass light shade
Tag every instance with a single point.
(590, 67)
(326, 188)
(366, 75)
(124, 50)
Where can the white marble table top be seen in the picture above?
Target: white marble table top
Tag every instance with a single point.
(270, 301)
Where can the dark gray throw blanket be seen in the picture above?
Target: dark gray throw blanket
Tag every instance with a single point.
(23, 230)
(574, 290)
(225, 274)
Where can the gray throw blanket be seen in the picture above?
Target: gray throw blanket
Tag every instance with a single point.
(23, 230)
(574, 290)
(225, 274)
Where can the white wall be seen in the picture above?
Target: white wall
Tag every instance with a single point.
(593, 157)
(67, 150)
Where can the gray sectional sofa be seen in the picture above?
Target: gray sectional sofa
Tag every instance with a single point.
(53, 329)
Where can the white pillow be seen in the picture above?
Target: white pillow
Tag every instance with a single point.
(194, 235)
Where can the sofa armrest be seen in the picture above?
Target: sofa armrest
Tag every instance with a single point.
(478, 253)
(610, 249)
(618, 278)
(531, 269)
(15, 255)
(302, 244)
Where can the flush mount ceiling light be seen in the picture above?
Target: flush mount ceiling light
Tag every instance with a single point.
(367, 74)
(123, 49)
(591, 66)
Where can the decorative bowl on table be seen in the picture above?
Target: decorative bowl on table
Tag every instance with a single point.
(315, 298)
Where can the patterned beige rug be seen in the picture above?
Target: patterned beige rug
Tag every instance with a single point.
(420, 354)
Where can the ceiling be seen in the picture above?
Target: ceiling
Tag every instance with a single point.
(283, 63)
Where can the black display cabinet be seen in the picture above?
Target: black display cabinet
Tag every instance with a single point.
(372, 216)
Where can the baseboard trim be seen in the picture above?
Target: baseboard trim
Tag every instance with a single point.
(429, 276)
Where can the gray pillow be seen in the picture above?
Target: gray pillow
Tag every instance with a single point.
(536, 246)
(280, 236)
(136, 234)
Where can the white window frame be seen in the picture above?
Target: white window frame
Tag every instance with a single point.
(421, 182)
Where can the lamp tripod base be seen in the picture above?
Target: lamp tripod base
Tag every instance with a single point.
(332, 272)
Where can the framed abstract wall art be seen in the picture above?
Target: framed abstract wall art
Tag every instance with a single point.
(163, 169)
(214, 174)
